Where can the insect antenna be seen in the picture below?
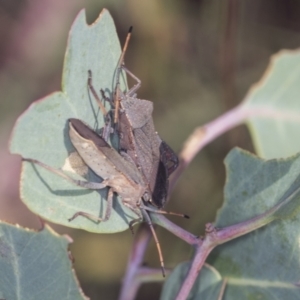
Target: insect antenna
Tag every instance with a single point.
(120, 64)
(150, 224)
(164, 212)
(92, 89)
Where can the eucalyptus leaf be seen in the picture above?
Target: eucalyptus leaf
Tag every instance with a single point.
(35, 265)
(263, 264)
(42, 131)
(273, 107)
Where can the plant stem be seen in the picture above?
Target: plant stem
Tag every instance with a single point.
(175, 229)
(131, 282)
(202, 135)
(215, 237)
(136, 274)
(195, 267)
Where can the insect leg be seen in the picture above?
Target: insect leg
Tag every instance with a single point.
(137, 211)
(163, 212)
(106, 98)
(81, 183)
(92, 89)
(120, 66)
(133, 222)
(133, 90)
(93, 217)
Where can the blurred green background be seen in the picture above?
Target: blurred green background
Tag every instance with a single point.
(196, 60)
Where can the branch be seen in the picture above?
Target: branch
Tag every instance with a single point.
(215, 237)
(131, 282)
(175, 229)
(136, 274)
(202, 135)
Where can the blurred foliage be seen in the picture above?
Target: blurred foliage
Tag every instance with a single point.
(196, 59)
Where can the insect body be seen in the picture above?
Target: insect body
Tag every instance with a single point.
(139, 172)
(119, 174)
(138, 138)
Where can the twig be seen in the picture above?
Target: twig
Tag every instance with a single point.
(136, 274)
(131, 283)
(202, 135)
(175, 229)
(215, 237)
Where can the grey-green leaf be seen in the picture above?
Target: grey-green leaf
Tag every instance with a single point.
(207, 286)
(42, 133)
(35, 265)
(265, 263)
(273, 107)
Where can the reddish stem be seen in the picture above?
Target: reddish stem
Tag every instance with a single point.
(215, 237)
(131, 282)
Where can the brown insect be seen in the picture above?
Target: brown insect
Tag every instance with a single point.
(119, 174)
(139, 172)
(138, 138)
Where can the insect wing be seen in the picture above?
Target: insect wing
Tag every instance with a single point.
(104, 160)
(138, 111)
(169, 157)
(160, 186)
